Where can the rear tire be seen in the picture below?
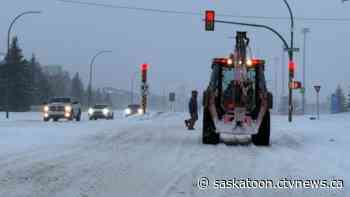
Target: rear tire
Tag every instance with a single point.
(55, 119)
(262, 138)
(209, 136)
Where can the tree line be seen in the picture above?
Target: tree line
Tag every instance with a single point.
(24, 83)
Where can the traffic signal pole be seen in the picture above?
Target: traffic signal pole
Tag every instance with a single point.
(210, 21)
(144, 87)
(290, 52)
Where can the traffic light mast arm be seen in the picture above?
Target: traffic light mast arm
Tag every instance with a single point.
(259, 26)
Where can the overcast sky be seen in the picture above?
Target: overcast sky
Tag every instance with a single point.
(176, 47)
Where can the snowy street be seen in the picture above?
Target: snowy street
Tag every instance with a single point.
(157, 156)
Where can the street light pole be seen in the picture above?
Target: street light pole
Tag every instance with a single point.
(8, 53)
(304, 31)
(90, 78)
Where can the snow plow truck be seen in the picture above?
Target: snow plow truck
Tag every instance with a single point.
(236, 100)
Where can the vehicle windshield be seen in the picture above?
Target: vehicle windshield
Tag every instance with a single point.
(228, 77)
(134, 106)
(60, 100)
(100, 106)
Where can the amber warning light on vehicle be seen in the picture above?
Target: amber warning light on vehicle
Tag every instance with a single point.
(209, 20)
(254, 62)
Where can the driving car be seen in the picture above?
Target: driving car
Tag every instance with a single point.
(62, 108)
(100, 111)
(133, 109)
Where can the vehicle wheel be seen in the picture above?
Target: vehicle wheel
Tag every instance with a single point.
(209, 136)
(55, 119)
(262, 138)
(90, 118)
(78, 118)
(46, 119)
(71, 116)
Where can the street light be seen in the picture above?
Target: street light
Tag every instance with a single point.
(8, 52)
(90, 79)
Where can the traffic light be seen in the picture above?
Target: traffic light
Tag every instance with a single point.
(144, 68)
(291, 66)
(209, 20)
(295, 85)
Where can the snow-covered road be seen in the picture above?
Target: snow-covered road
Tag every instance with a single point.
(155, 156)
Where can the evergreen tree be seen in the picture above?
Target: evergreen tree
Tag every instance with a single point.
(17, 75)
(77, 89)
(60, 84)
(342, 99)
(39, 82)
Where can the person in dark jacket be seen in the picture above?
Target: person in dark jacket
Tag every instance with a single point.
(193, 110)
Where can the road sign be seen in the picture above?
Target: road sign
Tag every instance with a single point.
(172, 96)
(317, 88)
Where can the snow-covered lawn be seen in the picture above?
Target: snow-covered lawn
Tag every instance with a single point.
(156, 156)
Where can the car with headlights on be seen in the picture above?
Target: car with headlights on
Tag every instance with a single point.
(101, 111)
(62, 108)
(133, 109)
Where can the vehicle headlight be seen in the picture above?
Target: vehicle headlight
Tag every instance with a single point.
(127, 111)
(140, 111)
(68, 108)
(46, 108)
(90, 111)
(105, 111)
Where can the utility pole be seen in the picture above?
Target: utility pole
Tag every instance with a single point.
(305, 31)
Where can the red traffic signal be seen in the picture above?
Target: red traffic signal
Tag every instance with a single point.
(144, 67)
(209, 20)
(295, 85)
(291, 66)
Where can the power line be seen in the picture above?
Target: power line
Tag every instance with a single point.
(165, 11)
